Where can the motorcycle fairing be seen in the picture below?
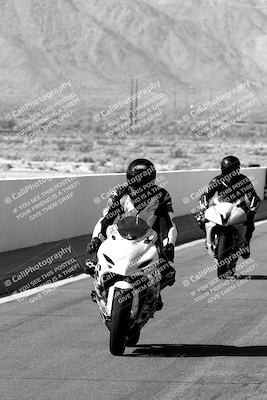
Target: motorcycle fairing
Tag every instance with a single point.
(127, 255)
(238, 216)
(226, 214)
(221, 218)
(119, 285)
(123, 263)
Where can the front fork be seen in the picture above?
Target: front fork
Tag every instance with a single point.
(210, 236)
(241, 235)
(240, 230)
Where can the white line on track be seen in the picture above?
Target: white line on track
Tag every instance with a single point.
(63, 282)
(54, 285)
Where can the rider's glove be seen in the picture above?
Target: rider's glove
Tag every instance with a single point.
(202, 206)
(252, 211)
(203, 203)
(168, 250)
(254, 205)
(200, 218)
(89, 267)
(93, 245)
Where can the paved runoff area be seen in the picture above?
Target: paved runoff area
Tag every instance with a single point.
(208, 342)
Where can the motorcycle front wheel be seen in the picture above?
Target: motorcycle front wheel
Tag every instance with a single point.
(225, 262)
(133, 338)
(120, 320)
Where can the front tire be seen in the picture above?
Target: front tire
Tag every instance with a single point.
(120, 320)
(133, 338)
(226, 265)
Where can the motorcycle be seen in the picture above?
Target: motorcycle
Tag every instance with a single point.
(127, 280)
(225, 225)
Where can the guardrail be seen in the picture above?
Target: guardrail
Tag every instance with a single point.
(41, 210)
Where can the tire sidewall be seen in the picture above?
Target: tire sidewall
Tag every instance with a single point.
(120, 320)
(225, 250)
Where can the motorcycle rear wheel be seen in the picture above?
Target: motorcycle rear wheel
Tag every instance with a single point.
(225, 265)
(120, 320)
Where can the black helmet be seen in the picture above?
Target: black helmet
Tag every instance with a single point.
(140, 172)
(229, 165)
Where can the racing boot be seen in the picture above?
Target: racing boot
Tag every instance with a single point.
(245, 250)
(159, 303)
(93, 296)
(250, 229)
(210, 248)
(168, 276)
(167, 271)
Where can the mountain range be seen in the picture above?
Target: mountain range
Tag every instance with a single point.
(192, 47)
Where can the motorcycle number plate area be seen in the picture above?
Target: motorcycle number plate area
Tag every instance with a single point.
(112, 231)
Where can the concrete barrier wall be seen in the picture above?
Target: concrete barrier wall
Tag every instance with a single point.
(76, 202)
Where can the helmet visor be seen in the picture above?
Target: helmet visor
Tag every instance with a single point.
(136, 181)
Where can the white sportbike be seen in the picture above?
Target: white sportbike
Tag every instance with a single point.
(225, 225)
(127, 280)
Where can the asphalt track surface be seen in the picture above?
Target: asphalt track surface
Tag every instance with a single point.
(56, 347)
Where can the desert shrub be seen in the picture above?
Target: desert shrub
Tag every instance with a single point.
(119, 169)
(5, 167)
(202, 149)
(61, 146)
(112, 152)
(93, 168)
(7, 125)
(85, 148)
(178, 153)
(37, 157)
(12, 156)
(151, 143)
(86, 159)
(158, 150)
(101, 142)
(260, 151)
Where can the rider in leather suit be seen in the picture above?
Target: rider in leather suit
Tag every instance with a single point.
(141, 196)
(232, 186)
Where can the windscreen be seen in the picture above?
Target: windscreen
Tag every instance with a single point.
(132, 228)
